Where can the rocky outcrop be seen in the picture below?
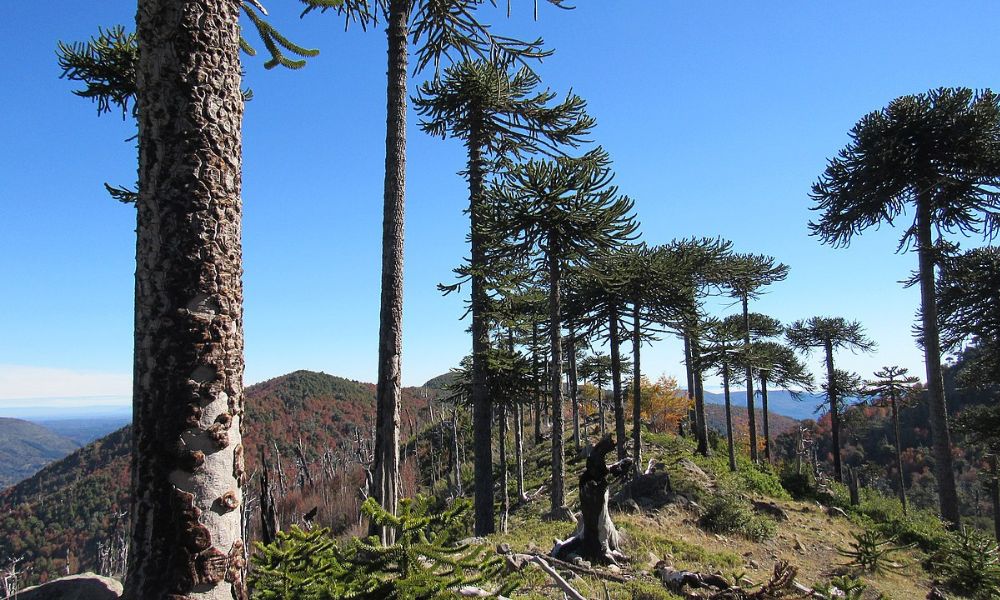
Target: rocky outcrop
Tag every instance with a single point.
(86, 586)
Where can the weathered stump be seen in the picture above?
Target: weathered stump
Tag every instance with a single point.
(596, 538)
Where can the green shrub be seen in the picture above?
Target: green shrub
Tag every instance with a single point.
(728, 513)
(427, 562)
(840, 588)
(969, 565)
(871, 551)
(799, 485)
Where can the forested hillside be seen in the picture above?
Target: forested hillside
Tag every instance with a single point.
(26, 447)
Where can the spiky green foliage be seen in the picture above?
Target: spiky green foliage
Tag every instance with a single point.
(426, 562)
(969, 564)
(872, 552)
(843, 587)
(944, 144)
(967, 289)
(277, 45)
(106, 66)
(835, 332)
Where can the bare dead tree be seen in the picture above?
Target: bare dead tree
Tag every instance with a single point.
(269, 525)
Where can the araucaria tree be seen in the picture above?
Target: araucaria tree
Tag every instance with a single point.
(778, 365)
(498, 115)
(895, 385)
(187, 462)
(748, 274)
(938, 155)
(566, 210)
(830, 333)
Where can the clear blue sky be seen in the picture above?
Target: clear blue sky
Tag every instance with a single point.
(719, 116)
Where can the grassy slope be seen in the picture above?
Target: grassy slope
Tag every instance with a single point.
(809, 540)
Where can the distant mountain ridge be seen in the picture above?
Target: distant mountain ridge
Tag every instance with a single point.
(779, 402)
(69, 504)
(26, 447)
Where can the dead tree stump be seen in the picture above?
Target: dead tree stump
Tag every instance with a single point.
(595, 538)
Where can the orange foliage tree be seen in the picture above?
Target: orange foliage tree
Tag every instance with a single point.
(663, 404)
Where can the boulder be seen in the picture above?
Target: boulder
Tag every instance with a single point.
(86, 586)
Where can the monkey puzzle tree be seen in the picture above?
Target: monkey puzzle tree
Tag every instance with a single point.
(498, 115)
(748, 274)
(187, 460)
(658, 291)
(937, 154)
(777, 364)
(719, 349)
(967, 292)
(830, 333)
(706, 270)
(565, 210)
(893, 384)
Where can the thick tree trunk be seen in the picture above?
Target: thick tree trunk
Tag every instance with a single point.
(596, 538)
(838, 468)
(555, 348)
(574, 391)
(938, 408)
(901, 483)
(751, 413)
(482, 410)
(385, 467)
(764, 414)
(636, 388)
(729, 415)
(187, 452)
(700, 422)
(616, 384)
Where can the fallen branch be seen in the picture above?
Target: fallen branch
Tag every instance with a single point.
(583, 570)
(566, 587)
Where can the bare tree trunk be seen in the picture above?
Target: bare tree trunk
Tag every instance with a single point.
(899, 452)
(482, 409)
(600, 410)
(751, 413)
(555, 348)
(689, 372)
(838, 469)
(938, 408)
(519, 449)
(385, 482)
(269, 526)
(764, 413)
(537, 381)
(995, 496)
(616, 385)
(187, 452)
(636, 389)
(456, 466)
(700, 422)
(504, 485)
(574, 391)
(729, 414)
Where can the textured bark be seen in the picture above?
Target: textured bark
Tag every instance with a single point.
(767, 424)
(901, 483)
(938, 408)
(729, 415)
(537, 404)
(636, 389)
(693, 350)
(574, 392)
(482, 409)
(838, 468)
(187, 454)
(751, 413)
(555, 348)
(385, 469)
(616, 385)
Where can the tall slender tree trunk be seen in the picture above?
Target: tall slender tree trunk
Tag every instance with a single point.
(616, 384)
(187, 452)
(456, 459)
(901, 483)
(537, 383)
(555, 348)
(751, 413)
(938, 408)
(689, 372)
(482, 410)
(729, 415)
(636, 390)
(504, 484)
(574, 391)
(995, 495)
(385, 467)
(838, 468)
(700, 422)
(519, 449)
(764, 414)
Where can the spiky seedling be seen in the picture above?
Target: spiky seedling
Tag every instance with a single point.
(871, 552)
(840, 588)
(969, 564)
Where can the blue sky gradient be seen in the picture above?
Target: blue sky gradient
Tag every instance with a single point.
(718, 115)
